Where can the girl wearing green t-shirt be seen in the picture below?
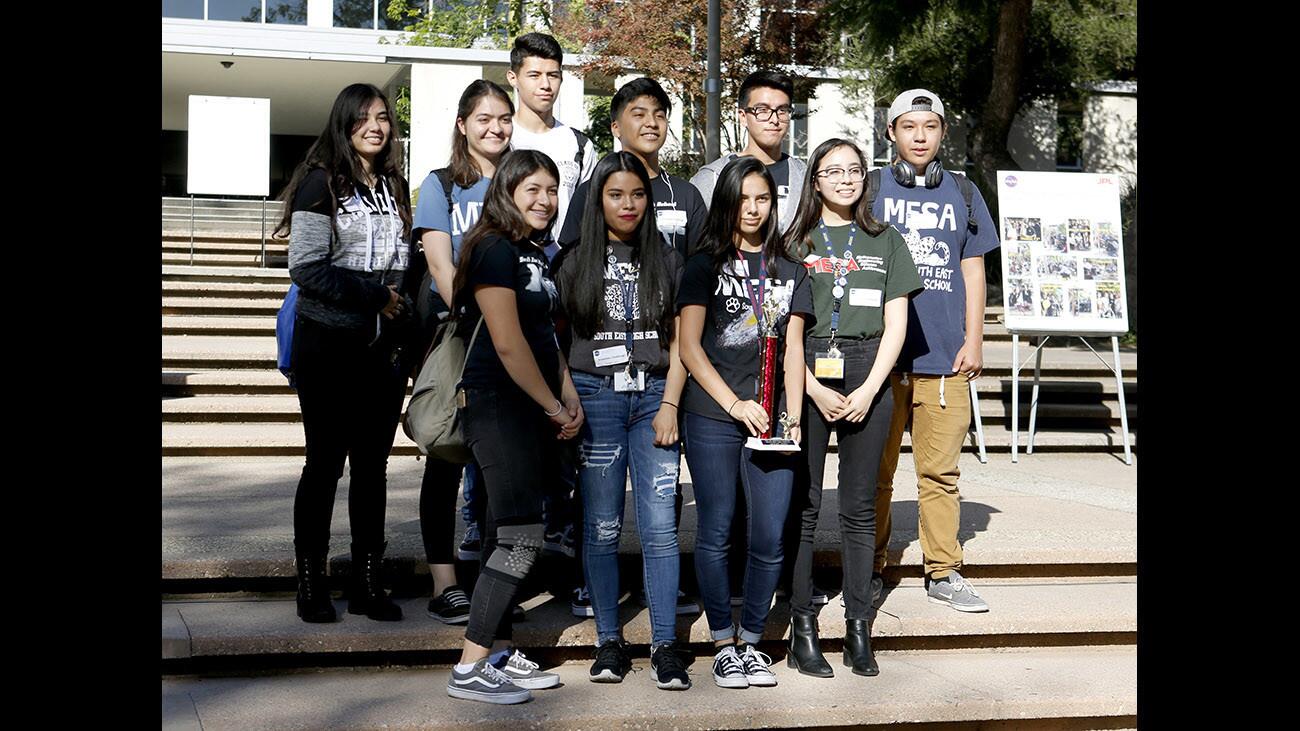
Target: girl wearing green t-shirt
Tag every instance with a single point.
(861, 274)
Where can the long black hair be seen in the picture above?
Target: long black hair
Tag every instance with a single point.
(724, 210)
(500, 215)
(583, 290)
(333, 153)
(809, 213)
(464, 169)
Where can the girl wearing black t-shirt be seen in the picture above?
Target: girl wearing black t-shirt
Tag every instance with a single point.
(741, 268)
(861, 275)
(519, 399)
(348, 218)
(617, 286)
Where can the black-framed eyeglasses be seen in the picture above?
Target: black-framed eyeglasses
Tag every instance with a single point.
(837, 175)
(764, 113)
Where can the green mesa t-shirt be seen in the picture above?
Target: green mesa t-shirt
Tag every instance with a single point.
(879, 270)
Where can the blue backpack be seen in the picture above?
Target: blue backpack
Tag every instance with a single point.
(284, 321)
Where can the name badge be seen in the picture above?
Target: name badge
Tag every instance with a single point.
(613, 355)
(829, 364)
(671, 221)
(624, 382)
(865, 297)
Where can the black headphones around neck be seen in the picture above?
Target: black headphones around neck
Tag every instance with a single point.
(905, 174)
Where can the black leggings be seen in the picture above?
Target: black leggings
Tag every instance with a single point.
(515, 445)
(350, 393)
(438, 490)
(860, 447)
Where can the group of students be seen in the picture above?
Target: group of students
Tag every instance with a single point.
(613, 314)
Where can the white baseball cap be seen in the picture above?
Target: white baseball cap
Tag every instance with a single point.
(915, 100)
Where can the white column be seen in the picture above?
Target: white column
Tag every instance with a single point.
(676, 127)
(827, 118)
(320, 13)
(435, 91)
(570, 107)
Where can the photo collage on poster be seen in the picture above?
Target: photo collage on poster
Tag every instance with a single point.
(1062, 268)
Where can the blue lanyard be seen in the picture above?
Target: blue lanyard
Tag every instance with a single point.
(841, 272)
(756, 301)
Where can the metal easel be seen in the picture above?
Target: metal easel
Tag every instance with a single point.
(1117, 369)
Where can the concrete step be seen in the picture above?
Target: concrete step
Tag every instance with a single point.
(215, 260)
(266, 306)
(224, 274)
(217, 438)
(276, 408)
(227, 522)
(226, 248)
(215, 352)
(1033, 689)
(226, 290)
(1026, 610)
(174, 201)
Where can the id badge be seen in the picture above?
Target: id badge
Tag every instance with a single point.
(671, 221)
(625, 382)
(829, 364)
(613, 355)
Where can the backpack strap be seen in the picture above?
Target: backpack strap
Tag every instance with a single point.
(444, 177)
(873, 187)
(967, 195)
(582, 147)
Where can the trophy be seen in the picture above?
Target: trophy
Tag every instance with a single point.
(768, 343)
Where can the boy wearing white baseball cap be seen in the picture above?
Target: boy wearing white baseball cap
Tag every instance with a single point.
(948, 229)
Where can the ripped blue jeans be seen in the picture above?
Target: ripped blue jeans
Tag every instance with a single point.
(617, 438)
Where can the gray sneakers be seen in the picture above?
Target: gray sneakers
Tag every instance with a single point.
(486, 684)
(957, 593)
(527, 674)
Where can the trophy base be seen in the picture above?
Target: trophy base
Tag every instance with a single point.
(759, 444)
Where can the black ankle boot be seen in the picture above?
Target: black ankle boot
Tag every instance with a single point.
(805, 655)
(314, 603)
(857, 648)
(367, 595)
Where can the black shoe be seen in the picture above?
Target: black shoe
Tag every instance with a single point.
(805, 655)
(368, 596)
(857, 648)
(612, 662)
(451, 606)
(313, 599)
(517, 614)
(668, 668)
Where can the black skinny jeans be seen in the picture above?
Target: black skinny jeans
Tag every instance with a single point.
(860, 448)
(350, 393)
(517, 450)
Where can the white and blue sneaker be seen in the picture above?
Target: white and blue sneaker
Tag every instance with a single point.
(756, 667)
(486, 684)
(728, 671)
(527, 674)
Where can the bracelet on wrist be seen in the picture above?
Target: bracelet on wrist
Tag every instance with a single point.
(669, 403)
(732, 406)
(558, 408)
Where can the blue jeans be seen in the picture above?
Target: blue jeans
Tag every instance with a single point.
(618, 436)
(716, 453)
(472, 511)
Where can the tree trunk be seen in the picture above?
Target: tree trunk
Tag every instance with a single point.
(989, 141)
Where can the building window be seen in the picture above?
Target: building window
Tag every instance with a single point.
(183, 9)
(354, 14)
(286, 12)
(1069, 137)
(881, 148)
(246, 11)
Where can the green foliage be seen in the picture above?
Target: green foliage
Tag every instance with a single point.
(470, 23)
(947, 46)
(402, 108)
(598, 127)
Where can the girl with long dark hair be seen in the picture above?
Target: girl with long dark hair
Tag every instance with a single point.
(741, 272)
(448, 205)
(348, 218)
(861, 276)
(618, 285)
(518, 399)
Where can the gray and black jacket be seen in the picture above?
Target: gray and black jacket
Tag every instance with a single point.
(707, 177)
(343, 270)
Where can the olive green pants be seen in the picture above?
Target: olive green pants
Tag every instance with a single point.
(939, 427)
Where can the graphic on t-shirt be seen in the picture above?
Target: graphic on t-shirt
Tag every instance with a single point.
(1020, 293)
(382, 247)
(460, 223)
(538, 282)
(743, 331)
(1022, 229)
(928, 252)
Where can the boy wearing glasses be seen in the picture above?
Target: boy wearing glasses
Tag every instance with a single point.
(943, 351)
(765, 110)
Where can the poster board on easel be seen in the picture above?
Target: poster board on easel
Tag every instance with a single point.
(1062, 270)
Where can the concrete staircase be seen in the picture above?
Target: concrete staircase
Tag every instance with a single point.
(1049, 542)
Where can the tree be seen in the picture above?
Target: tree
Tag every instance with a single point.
(986, 59)
(470, 23)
